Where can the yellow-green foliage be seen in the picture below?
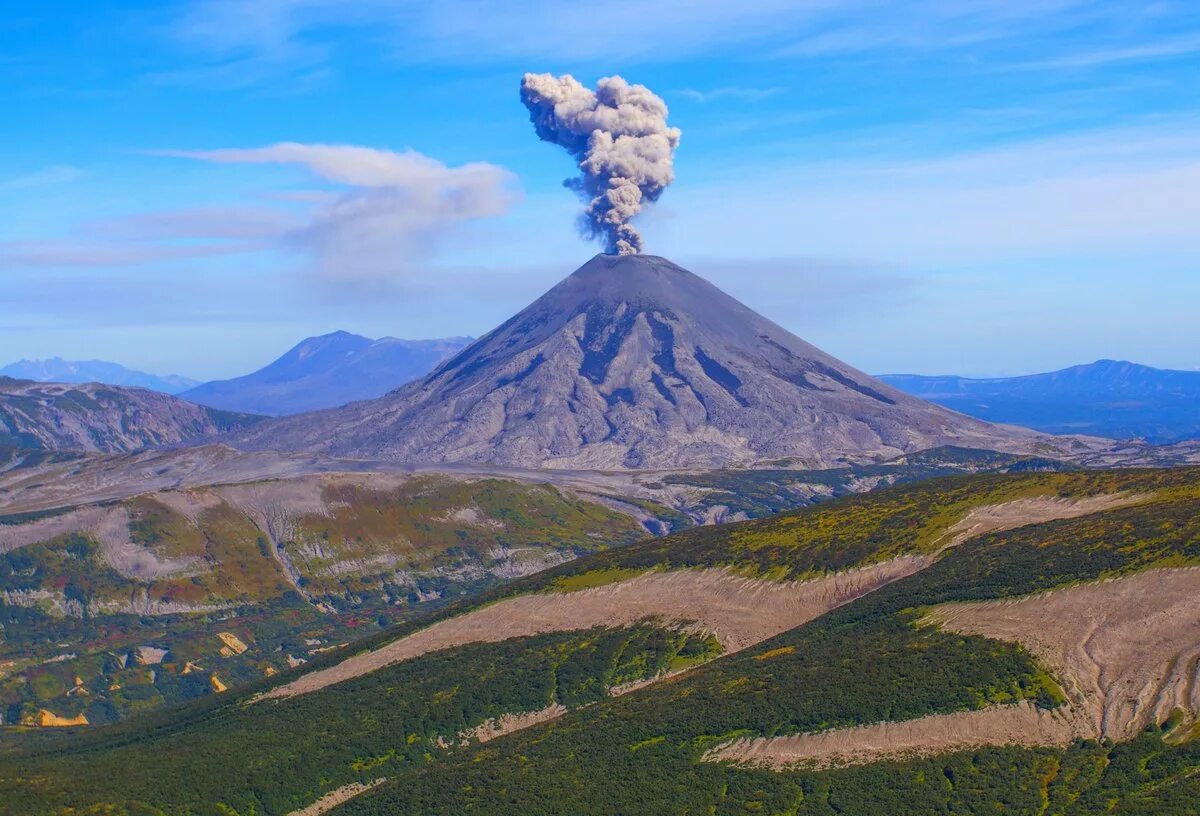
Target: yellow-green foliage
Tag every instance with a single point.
(872, 527)
(433, 522)
(235, 568)
(165, 532)
(246, 572)
(594, 578)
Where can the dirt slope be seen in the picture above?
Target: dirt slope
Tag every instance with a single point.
(1020, 724)
(739, 611)
(1127, 652)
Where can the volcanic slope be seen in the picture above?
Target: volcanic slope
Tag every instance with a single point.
(623, 714)
(634, 362)
(104, 418)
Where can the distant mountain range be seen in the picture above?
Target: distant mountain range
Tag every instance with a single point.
(633, 362)
(1111, 398)
(56, 369)
(103, 418)
(327, 371)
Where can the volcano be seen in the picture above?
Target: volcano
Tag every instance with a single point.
(634, 362)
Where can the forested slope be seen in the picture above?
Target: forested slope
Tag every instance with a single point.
(650, 751)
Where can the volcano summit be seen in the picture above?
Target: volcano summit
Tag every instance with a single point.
(634, 362)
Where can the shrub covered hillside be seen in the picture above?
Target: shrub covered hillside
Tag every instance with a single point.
(600, 739)
(108, 610)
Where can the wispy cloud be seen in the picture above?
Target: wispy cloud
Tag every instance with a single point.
(731, 92)
(1133, 189)
(392, 208)
(1164, 49)
(55, 174)
(249, 39)
(383, 212)
(74, 252)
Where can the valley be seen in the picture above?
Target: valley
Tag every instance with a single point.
(104, 556)
(913, 645)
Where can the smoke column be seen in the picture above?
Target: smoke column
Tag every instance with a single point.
(619, 136)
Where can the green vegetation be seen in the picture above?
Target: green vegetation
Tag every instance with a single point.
(441, 527)
(592, 579)
(862, 663)
(866, 528)
(236, 759)
(757, 493)
(640, 753)
(380, 557)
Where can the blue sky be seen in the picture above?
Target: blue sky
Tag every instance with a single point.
(980, 187)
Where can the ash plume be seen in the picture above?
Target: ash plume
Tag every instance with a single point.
(619, 135)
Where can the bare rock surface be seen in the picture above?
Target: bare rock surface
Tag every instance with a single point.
(994, 518)
(1127, 650)
(339, 796)
(511, 723)
(105, 418)
(633, 362)
(110, 527)
(1020, 724)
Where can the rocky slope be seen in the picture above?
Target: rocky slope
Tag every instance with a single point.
(327, 371)
(634, 362)
(95, 417)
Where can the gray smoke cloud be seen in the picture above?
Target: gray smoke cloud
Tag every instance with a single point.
(619, 135)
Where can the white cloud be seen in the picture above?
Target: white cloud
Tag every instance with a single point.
(383, 212)
(56, 174)
(1133, 190)
(732, 92)
(363, 166)
(1160, 49)
(393, 209)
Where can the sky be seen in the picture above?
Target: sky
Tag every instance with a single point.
(980, 187)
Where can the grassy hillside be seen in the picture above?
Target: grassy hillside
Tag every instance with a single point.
(640, 753)
(170, 572)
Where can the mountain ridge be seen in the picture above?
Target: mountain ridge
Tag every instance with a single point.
(326, 371)
(1111, 398)
(634, 362)
(56, 369)
(95, 417)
